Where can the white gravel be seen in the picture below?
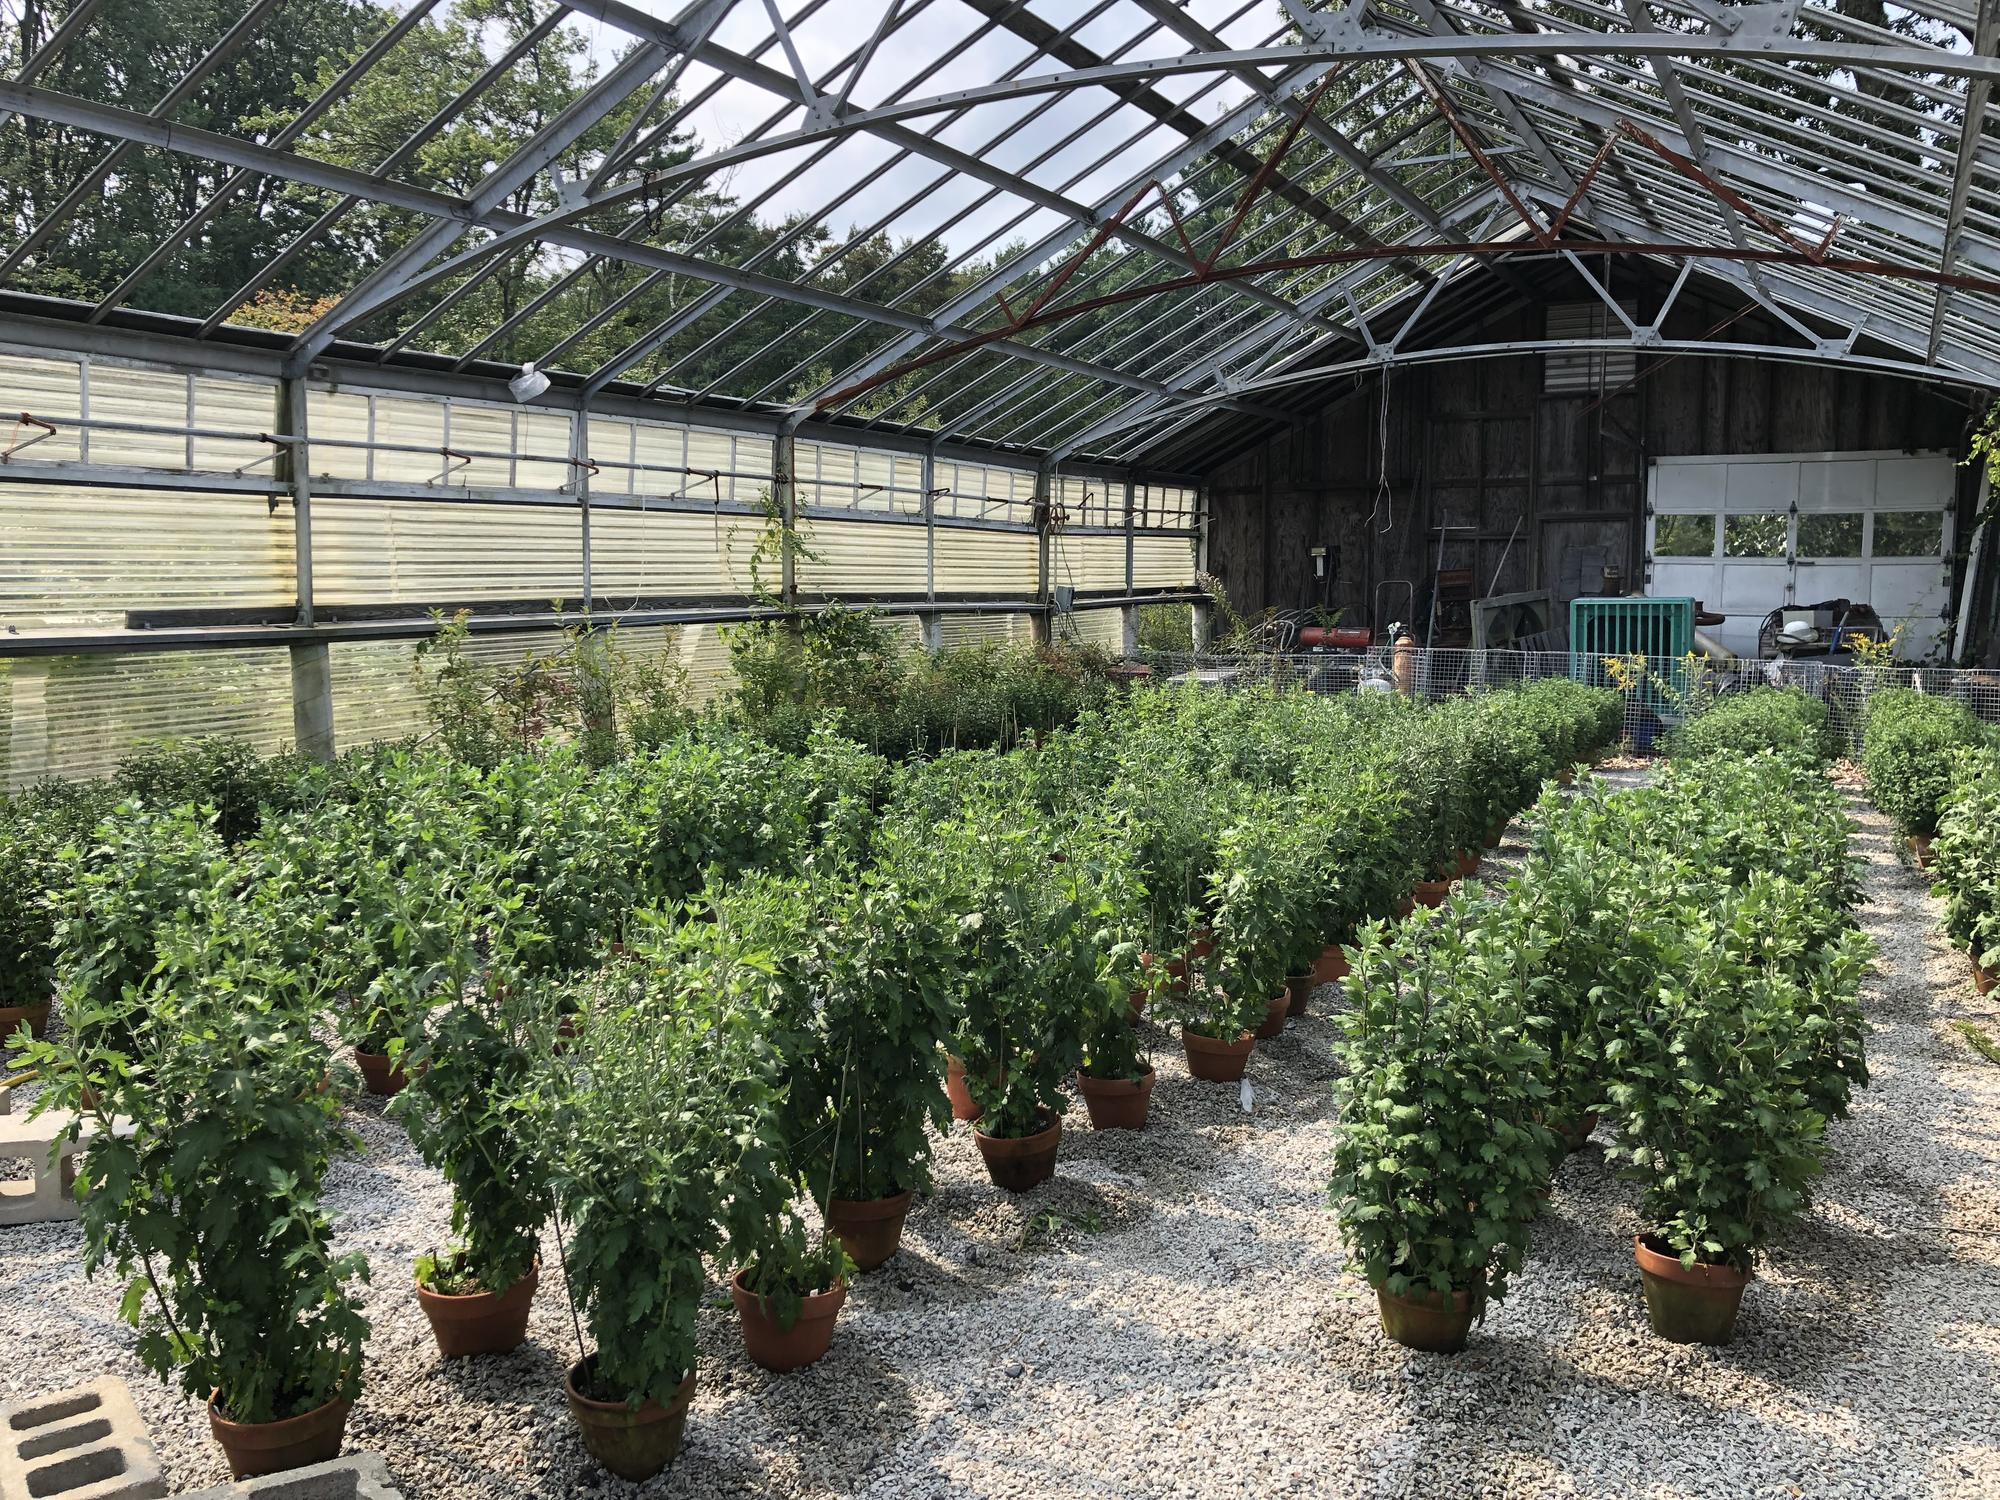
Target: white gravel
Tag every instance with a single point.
(1185, 1324)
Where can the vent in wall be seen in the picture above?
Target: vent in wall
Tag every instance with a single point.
(1588, 370)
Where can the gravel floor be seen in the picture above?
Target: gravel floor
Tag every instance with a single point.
(1172, 1316)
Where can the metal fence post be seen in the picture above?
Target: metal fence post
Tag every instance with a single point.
(311, 661)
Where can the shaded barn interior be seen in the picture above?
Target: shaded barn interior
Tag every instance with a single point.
(1534, 464)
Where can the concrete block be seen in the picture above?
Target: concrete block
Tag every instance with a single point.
(82, 1444)
(48, 1192)
(358, 1476)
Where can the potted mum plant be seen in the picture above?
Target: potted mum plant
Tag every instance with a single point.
(1713, 1117)
(1239, 990)
(667, 1087)
(1038, 954)
(1441, 1158)
(1115, 1077)
(213, 1137)
(473, 1069)
(35, 826)
(790, 1283)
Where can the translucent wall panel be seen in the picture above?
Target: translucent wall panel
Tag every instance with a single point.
(986, 562)
(1087, 562)
(423, 552)
(78, 555)
(66, 391)
(1104, 628)
(1090, 501)
(76, 716)
(863, 558)
(1162, 562)
(838, 477)
(967, 630)
(657, 554)
(981, 492)
(668, 459)
(401, 439)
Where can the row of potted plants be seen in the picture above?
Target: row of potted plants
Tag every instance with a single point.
(523, 953)
(1910, 744)
(1966, 863)
(1678, 958)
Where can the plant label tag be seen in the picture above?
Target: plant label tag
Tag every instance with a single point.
(1245, 1095)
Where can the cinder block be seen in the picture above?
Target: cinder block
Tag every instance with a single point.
(358, 1476)
(82, 1444)
(48, 1192)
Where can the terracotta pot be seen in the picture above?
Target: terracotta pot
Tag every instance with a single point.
(1214, 1060)
(1431, 1321)
(781, 1349)
(378, 1075)
(962, 1107)
(1019, 1163)
(1406, 906)
(1983, 978)
(268, 1447)
(1300, 988)
(1431, 892)
(480, 1322)
(632, 1443)
(1117, 1103)
(1575, 1135)
(1274, 1016)
(1566, 777)
(1686, 1305)
(1468, 863)
(11, 1017)
(1332, 965)
(870, 1228)
(1494, 835)
(1920, 849)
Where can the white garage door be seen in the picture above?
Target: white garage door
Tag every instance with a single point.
(1747, 535)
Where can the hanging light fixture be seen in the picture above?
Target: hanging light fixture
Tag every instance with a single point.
(529, 384)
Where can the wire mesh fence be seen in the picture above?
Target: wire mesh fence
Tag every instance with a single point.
(1659, 692)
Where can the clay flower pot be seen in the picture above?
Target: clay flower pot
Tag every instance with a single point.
(871, 1229)
(1566, 777)
(254, 1448)
(1494, 835)
(633, 1444)
(1407, 905)
(781, 1349)
(1117, 1103)
(11, 1017)
(1018, 1163)
(1575, 1133)
(1332, 965)
(1431, 1321)
(962, 1107)
(1983, 978)
(378, 1075)
(1300, 988)
(1920, 850)
(1213, 1060)
(1468, 863)
(480, 1322)
(1274, 1016)
(1431, 892)
(1688, 1305)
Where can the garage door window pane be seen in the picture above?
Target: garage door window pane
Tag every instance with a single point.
(1833, 534)
(1684, 536)
(1909, 533)
(1753, 536)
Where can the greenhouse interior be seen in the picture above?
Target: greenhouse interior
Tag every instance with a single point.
(999, 748)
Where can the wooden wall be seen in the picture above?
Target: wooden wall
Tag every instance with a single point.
(1540, 491)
